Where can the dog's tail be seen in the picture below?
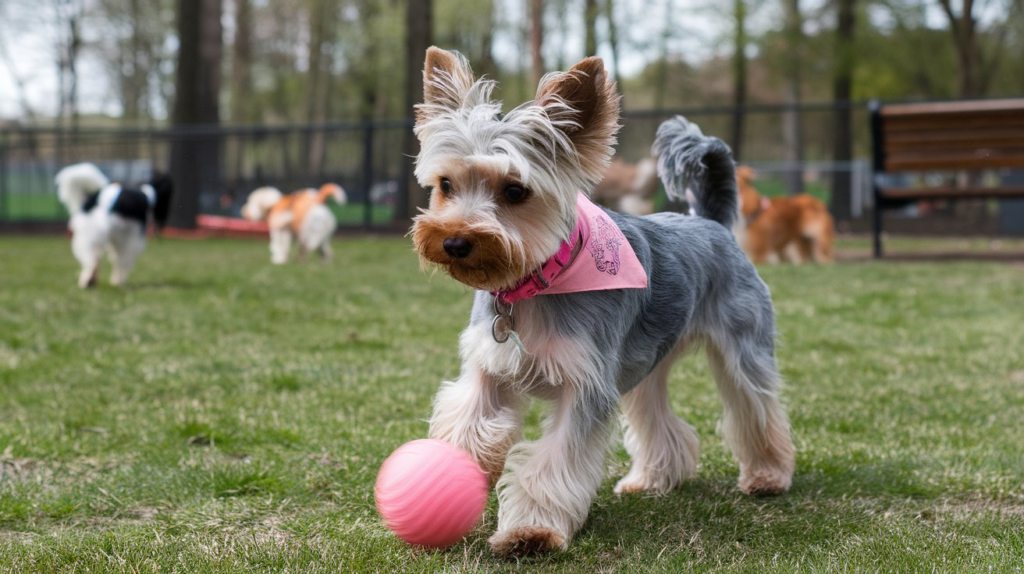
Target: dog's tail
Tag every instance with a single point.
(76, 182)
(688, 158)
(332, 190)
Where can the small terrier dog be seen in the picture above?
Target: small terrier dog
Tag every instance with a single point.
(109, 216)
(794, 229)
(584, 307)
(300, 215)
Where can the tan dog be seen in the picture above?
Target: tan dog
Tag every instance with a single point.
(628, 187)
(299, 215)
(794, 229)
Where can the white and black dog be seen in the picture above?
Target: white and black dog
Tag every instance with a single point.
(109, 216)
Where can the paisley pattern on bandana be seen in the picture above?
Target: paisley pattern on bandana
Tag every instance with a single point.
(605, 240)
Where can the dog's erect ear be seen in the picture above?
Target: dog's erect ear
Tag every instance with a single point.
(583, 103)
(447, 78)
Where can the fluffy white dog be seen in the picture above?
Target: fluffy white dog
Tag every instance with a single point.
(109, 216)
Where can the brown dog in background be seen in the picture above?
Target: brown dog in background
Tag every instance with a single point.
(794, 229)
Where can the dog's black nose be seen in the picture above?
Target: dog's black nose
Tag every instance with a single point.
(457, 247)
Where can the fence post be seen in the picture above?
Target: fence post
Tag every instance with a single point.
(367, 175)
(878, 166)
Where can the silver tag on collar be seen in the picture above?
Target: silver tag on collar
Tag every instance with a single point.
(501, 327)
(503, 323)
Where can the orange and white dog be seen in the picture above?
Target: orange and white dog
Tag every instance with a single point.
(794, 229)
(300, 216)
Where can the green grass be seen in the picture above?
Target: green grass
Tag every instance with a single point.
(224, 415)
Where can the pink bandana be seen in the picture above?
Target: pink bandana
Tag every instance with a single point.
(606, 261)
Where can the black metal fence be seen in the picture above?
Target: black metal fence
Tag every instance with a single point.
(363, 157)
(366, 158)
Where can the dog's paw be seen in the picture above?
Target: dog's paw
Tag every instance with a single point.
(527, 540)
(630, 484)
(765, 482)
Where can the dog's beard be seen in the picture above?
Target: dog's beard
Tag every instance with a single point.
(496, 261)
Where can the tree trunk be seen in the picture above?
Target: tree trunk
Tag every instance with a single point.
(241, 63)
(739, 77)
(842, 87)
(134, 83)
(963, 27)
(661, 79)
(418, 37)
(792, 132)
(321, 14)
(613, 36)
(488, 66)
(537, 39)
(590, 22)
(195, 160)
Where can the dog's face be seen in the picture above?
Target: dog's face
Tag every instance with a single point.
(259, 203)
(503, 188)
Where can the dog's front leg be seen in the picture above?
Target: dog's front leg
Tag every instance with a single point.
(479, 416)
(545, 494)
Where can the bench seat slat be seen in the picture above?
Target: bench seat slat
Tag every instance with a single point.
(949, 192)
(952, 140)
(943, 161)
(966, 106)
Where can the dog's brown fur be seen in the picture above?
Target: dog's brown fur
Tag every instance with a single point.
(628, 187)
(795, 229)
(300, 202)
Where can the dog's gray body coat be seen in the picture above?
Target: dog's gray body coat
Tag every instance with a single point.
(700, 286)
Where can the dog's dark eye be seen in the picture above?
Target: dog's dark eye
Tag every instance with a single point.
(446, 185)
(515, 193)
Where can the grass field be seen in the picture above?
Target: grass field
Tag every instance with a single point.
(224, 415)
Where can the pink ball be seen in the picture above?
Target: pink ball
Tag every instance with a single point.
(430, 493)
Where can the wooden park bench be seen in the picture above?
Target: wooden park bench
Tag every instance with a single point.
(943, 137)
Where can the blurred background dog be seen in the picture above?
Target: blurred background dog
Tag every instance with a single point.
(301, 215)
(628, 187)
(109, 216)
(793, 229)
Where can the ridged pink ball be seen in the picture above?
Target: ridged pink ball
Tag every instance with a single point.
(430, 493)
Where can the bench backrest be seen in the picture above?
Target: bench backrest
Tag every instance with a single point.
(948, 136)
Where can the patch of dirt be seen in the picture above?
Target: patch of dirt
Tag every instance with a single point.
(17, 467)
(941, 509)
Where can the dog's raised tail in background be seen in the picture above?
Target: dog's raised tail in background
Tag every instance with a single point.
(689, 159)
(76, 183)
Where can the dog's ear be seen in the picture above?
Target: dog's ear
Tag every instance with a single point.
(447, 79)
(584, 105)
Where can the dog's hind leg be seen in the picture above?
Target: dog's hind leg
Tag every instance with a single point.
(124, 249)
(88, 253)
(755, 424)
(326, 252)
(663, 447)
